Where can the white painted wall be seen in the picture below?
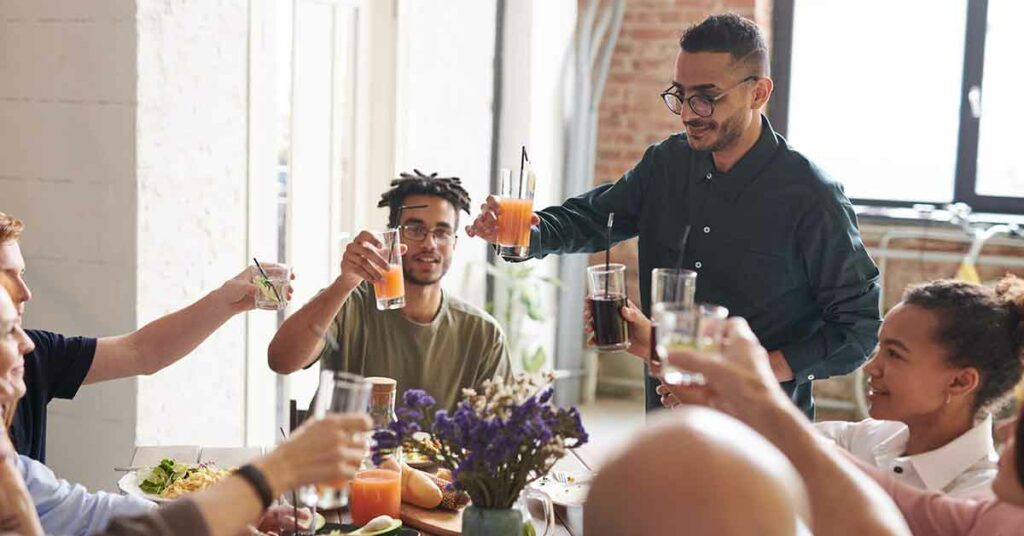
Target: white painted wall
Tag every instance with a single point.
(192, 164)
(67, 168)
(123, 145)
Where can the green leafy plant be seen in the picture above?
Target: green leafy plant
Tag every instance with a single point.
(522, 290)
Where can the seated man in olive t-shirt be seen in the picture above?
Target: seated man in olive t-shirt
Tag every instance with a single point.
(437, 342)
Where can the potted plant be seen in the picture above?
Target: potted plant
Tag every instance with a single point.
(496, 441)
(520, 302)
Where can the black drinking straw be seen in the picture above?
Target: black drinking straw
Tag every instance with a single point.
(523, 160)
(608, 252)
(265, 276)
(399, 219)
(682, 247)
(403, 207)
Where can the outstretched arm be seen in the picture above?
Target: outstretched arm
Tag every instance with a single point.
(165, 340)
(300, 338)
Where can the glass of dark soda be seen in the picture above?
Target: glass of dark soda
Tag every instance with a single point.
(606, 297)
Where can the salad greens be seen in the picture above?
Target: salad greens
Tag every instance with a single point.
(163, 475)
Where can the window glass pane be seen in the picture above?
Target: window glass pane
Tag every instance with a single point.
(1000, 168)
(312, 142)
(875, 94)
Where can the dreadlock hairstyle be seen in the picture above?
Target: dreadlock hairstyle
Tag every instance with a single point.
(448, 188)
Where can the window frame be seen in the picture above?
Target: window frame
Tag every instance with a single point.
(965, 181)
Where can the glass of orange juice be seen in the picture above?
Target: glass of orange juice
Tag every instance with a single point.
(516, 200)
(391, 291)
(338, 392)
(376, 491)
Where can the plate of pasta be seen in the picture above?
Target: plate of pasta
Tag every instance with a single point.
(171, 480)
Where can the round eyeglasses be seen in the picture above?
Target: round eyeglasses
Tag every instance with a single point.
(418, 233)
(702, 105)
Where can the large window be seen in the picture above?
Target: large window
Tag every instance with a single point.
(904, 102)
(1000, 167)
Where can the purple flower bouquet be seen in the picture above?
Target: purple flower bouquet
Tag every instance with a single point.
(496, 441)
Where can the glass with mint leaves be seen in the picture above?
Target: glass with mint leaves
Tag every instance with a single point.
(271, 282)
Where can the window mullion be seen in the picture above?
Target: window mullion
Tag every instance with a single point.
(967, 142)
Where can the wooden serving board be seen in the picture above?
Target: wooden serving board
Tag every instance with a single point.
(436, 522)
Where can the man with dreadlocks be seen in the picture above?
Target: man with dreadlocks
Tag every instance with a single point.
(437, 342)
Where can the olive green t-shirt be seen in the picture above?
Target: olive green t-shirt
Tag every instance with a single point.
(460, 348)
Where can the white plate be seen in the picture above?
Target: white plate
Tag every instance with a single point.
(572, 494)
(129, 485)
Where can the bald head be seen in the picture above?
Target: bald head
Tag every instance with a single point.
(701, 470)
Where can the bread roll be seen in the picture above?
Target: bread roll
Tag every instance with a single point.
(418, 489)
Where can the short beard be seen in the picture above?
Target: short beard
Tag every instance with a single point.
(729, 130)
(409, 276)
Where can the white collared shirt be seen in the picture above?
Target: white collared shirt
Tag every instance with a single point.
(964, 467)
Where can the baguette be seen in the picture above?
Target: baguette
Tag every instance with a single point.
(421, 490)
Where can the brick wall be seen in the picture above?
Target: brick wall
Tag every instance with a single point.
(631, 115)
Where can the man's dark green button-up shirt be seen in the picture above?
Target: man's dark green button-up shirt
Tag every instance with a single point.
(773, 239)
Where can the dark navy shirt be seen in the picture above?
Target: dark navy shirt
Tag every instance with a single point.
(774, 239)
(55, 369)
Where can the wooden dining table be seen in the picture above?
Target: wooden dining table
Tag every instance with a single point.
(568, 521)
(453, 528)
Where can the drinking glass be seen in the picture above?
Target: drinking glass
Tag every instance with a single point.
(272, 290)
(391, 291)
(710, 326)
(377, 491)
(673, 285)
(669, 285)
(338, 392)
(516, 201)
(607, 297)
(683, 328)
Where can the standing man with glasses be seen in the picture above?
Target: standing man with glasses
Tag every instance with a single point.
(437, 342)
(771, 236)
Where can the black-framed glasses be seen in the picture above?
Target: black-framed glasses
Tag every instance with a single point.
(418, 233)
(702, 105)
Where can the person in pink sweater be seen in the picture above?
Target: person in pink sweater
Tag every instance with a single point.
(739, 382)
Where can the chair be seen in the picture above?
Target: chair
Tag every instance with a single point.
(296, 416)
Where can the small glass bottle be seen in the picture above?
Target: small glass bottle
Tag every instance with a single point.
(382, 401)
